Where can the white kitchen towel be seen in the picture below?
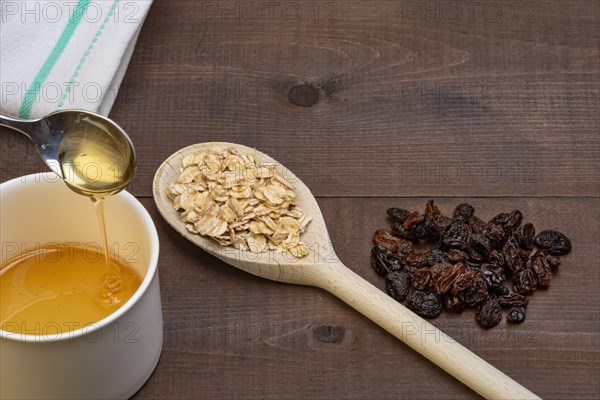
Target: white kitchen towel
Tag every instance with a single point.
(65, 54)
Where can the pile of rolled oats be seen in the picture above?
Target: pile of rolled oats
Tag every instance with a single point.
(226, 195)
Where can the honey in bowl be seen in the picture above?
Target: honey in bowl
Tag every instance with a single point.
(61, 288)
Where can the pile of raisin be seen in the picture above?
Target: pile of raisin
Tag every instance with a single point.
(433, 262)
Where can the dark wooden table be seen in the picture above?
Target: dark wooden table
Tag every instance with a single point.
(372, 104)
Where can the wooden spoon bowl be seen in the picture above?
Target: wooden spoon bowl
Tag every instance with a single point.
(322, 268)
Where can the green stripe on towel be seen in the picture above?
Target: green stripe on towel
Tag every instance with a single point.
(50, 62)
(89, 49)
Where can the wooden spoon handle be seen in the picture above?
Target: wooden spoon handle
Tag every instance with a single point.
(419, 334)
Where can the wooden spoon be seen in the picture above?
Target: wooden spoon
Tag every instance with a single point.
(322, 268)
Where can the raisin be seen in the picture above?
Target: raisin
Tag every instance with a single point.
(399, 230)
(515, 218)
(479, 247)
(542, 270)
(431, 261)
(525, 281)
(427, 305)
(512, 258)
(404, 250)
(425, 230)
(495, 234)
(386, 238)
(497, 258)
(498, 290)
(489, 312)
(433, 257)
(432, 213)
(384, 261)
(554, 262)
(454, 302)
(445, 282)
(421, 278)
(457, 235)
(415, 259)
(493, 274)
(398, 214)
(397, 284)
(431, 210)
(508, 221)
(500, 219)
(476, 225)
(516, 315)
(473, 264)
(456, 255)
(438, 269)
(524, 236)
(412, 220)
(463, 212)
(464, 281)
(477, 292)
(556, 243)
(438, 245)
(513, 300)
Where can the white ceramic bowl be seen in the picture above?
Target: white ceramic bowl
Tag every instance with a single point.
(111, 359)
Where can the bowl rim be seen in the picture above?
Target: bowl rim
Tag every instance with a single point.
(50, 178)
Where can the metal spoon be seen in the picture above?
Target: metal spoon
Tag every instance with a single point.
(322, 268)
(92, 154)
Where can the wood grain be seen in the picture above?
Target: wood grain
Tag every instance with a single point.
(411, 102)
(322, 268)
(410, 105)
(229, 334)
(414, 101)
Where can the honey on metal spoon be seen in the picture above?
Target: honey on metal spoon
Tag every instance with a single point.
(90, 152)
